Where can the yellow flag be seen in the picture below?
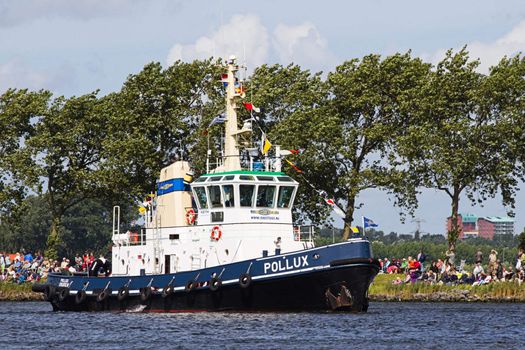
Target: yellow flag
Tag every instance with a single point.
(266, 147)
(354, 229)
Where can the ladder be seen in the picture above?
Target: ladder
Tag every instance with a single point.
(156, 245)
(195, 261)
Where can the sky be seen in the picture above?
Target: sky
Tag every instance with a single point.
(75, 47)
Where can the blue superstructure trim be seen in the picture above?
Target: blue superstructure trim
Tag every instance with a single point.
(172, 185)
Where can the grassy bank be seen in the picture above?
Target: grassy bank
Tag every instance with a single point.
(383, 290)
(18, 292)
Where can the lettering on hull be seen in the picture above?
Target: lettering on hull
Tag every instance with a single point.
(286, 264)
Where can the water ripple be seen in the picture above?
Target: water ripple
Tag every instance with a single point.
(33, 325)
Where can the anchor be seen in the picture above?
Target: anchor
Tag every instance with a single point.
(342, 301)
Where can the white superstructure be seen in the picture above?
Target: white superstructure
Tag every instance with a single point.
(225, 216)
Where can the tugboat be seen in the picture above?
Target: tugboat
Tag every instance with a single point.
(222, 242)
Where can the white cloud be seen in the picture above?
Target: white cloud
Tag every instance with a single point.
(304, 45)
(301, 44)
(490, 53)
(244, 33)
(13, 13)
(17, 74)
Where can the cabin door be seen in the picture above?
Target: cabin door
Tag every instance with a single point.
(167, 264)
(170, 263)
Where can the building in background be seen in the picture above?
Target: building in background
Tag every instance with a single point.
(485, 227)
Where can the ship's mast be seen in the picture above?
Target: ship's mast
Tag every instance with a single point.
(231, 149)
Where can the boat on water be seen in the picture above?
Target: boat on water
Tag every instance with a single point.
(224, 241)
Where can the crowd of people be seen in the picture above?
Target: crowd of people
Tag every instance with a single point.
(23, 267)
(446, 271)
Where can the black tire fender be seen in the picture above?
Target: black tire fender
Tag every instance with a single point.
(167, 291)
(190, 286)
(123, 293)
(215, 284)
(145, 293)
(80, 297)
(245, 280)
(103, 295)
(63, 293)
(49, 292)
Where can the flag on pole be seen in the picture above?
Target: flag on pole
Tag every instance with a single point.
(224, 79)
(217, 120)
(335, 207)
(266, 146)
(368, 223)
(354, 229)
(293, 166)
(286, 152)
(251, 107)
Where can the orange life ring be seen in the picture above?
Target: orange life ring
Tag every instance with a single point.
(190, 216)
(216, 233)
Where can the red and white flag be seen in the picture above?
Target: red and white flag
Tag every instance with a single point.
(251, 107)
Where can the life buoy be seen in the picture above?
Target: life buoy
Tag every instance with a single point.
(80, 297)
(190, 216)
(145, 293)
(216, 233)
(245, 280)
(123, 293)
(63, 294)
(215, 284)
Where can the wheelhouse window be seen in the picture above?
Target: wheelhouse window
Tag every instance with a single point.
(200, 194)
(266, 196)
(228, 195)
(285, 178)
(215, 196)
(285, 197)
(246, 195)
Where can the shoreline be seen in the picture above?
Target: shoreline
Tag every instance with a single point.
(381, 290)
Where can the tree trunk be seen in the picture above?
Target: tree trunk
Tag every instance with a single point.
(453, 234)
(348, 218)
(53, 240)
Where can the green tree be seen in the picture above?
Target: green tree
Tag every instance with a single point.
(155, 118)
(456, 139)
(287, 94)
(348, 138)
(62, 156)
(17, 110)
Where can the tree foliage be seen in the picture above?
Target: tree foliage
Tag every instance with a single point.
(457, 140)
(392, 123)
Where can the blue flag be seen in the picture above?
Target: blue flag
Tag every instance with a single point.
(217, 120)
(368, 223)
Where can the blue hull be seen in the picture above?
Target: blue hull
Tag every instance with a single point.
(334, 277)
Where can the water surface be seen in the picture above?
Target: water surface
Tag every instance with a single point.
(33, 325)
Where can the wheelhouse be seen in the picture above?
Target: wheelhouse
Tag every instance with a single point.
(227, 195)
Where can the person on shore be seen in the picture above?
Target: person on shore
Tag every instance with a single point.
(421, 257)
(508, 274)
(478, 257)
(499, 270)
(493, 257)
(518, 259)
(450, 257)
(478, 269)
